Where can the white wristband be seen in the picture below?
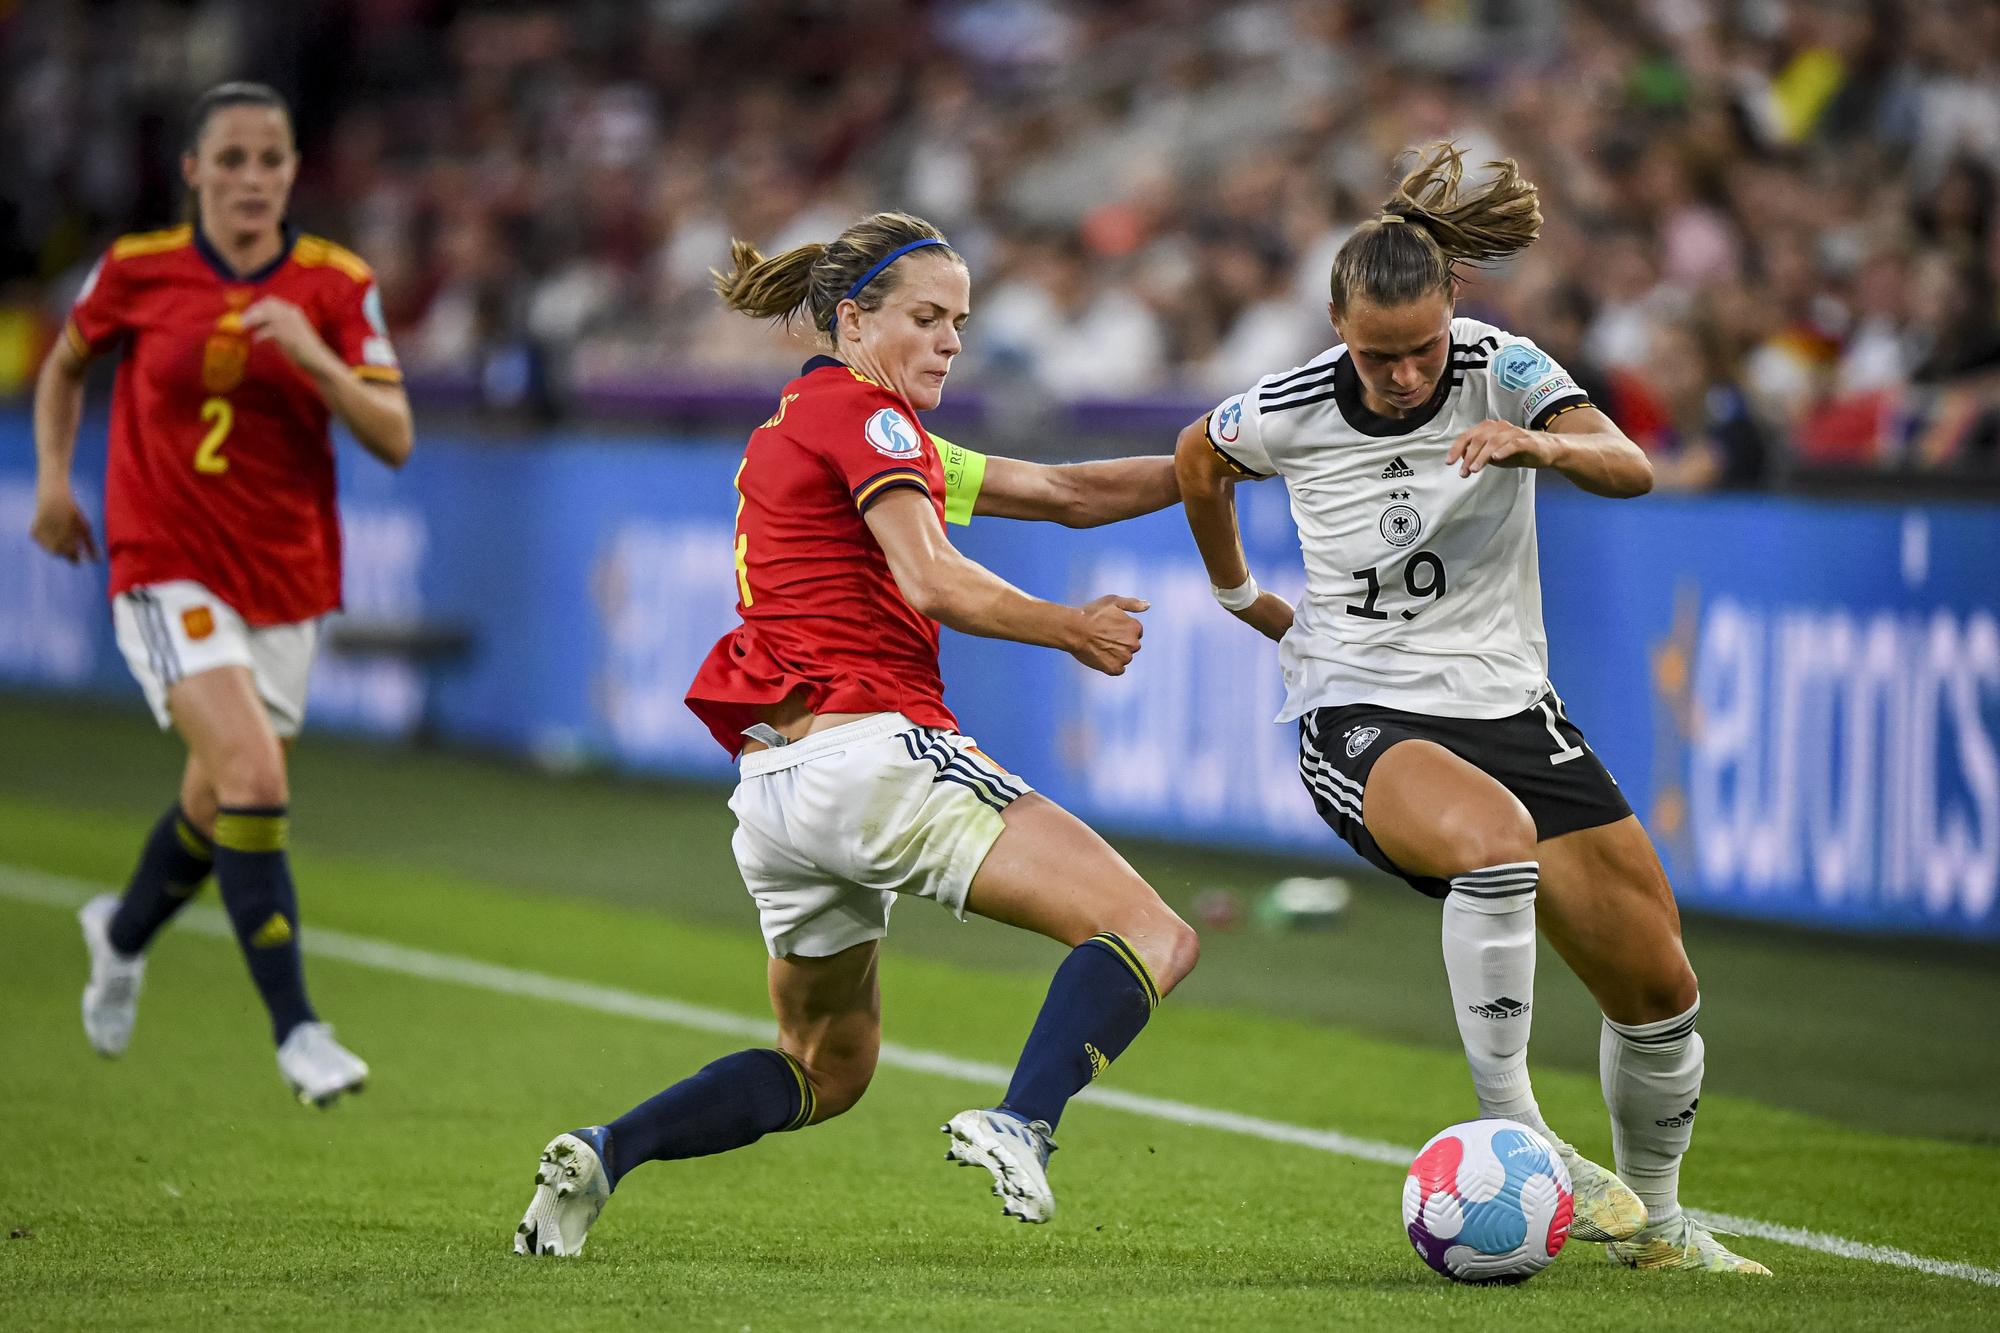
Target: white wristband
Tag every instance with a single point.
(1240, 597)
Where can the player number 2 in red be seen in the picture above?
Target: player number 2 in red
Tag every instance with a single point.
(220, 417)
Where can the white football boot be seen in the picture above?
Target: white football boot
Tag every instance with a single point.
(1606, 1208)
(1016, 1151)
(318, 1068)
(111, 997)
(571, 1186)
(1681, 1244)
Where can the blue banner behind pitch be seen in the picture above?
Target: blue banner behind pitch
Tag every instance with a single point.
(1801, 699)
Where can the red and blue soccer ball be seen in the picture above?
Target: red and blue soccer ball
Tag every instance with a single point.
(1488, 1201)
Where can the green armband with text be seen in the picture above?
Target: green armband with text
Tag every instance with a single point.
(964, 474)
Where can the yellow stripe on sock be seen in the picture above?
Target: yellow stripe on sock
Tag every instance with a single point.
(808, 1103)
(252, 833)
(191, 839)
(1130, 956)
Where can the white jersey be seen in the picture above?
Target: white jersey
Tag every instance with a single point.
(1422, 587)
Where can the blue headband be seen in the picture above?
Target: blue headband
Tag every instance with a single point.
(876, 272)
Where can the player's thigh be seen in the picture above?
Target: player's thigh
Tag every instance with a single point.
(1606, 905)
(1051, 873)
(829, 1013)
(1436, 815)
(228, 732)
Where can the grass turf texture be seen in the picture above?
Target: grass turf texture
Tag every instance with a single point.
(180, 1186)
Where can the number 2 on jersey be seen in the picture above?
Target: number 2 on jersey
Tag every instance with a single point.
(221, 417)
(742, 537)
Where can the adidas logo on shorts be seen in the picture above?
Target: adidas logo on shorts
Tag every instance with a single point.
(1504, 1007)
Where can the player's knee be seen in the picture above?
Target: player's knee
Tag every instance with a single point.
(198, 806)
(252, 774)
(1181, 950)
(1167, 945)
(1498, 833)
(1656, 997)
(837, 1089)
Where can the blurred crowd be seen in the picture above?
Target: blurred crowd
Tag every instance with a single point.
(1770, 239)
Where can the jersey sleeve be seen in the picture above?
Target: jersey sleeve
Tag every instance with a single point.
(867, 436)
(99, 317)
(964, 474)
(1532, 390)
(361, 336)
(1236, 432)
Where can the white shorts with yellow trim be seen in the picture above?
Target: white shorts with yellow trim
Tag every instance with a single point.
(170, 631)
(832, 828)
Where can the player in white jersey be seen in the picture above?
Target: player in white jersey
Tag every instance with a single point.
(1430, 736)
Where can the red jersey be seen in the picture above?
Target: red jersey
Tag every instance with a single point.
(221, 469)
(821, 611)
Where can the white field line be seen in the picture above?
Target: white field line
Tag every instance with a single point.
(30, 886)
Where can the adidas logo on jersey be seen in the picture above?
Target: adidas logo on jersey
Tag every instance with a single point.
(1504, 1007)
(1397, 468)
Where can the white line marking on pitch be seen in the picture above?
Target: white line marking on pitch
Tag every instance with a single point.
(30, 886)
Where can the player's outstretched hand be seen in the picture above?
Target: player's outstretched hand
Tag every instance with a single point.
(1270, 615)
(1110, 634)
(279, 321)
(60, 528)
(1500, 444)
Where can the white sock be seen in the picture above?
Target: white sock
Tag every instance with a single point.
(1489, 959)
(1652, 1083)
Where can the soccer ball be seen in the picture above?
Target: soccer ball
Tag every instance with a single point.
(1488, 1201)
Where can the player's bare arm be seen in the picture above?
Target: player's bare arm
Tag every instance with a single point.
(378, 414)
(1208, 495)
(966, 596)
(1583, 444)
(1077, 495)
(59, 526)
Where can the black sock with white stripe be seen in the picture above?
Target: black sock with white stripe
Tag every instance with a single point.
(1489, 959)
(1651, 1074)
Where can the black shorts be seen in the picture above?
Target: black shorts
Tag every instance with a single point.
(1537, 754)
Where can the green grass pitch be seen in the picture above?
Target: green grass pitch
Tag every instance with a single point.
(180, 1187)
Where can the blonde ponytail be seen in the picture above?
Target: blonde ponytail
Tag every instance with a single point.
(1391, 264)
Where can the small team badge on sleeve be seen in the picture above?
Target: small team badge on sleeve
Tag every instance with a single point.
(1228, 421)
(375, 349)
(1519, 366)
(891, 433)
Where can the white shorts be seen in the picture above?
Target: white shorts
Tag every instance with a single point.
(170, 631)
(831, 828)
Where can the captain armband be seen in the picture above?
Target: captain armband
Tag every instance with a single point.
(964, 474)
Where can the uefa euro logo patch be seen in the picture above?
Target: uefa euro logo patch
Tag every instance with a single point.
(891, 433)
(1229, 421)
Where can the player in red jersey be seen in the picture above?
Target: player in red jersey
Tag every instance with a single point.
(240, 340)
(856, 786)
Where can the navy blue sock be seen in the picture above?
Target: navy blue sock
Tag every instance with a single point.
(729, 1104)
(255, 876)
(1100, 998)
(176, 859)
